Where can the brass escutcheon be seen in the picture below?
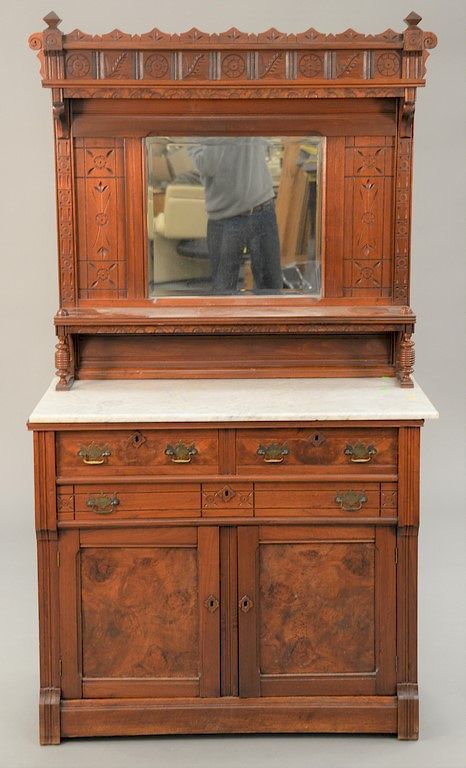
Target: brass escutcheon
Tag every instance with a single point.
(211, 603)
(273, 453)
(360, 453)
(103, 504)
(351, 501)
(94, 454)
(181, 453)
(246, 603)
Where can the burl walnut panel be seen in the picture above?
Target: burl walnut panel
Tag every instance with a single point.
(140, 612)
(329, 580)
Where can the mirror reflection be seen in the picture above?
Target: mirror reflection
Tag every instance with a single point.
(234, 215)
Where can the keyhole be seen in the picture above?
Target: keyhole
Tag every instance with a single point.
(137, 439)
(211, 602)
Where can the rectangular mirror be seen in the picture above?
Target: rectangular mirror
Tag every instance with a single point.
(234, 215)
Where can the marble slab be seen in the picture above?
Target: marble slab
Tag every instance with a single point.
(213, 400)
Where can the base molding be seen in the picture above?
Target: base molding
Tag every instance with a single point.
(49, 715)
(408, 711)
(316, 714)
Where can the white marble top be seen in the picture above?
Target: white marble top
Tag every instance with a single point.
(211, 400)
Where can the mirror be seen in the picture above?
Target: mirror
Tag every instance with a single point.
(234, 215)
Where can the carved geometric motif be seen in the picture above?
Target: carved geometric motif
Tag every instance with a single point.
(370, 274)
(389, 499)
(99, 162)
(402, 221)
(233, 65)
(100, 218)
(368, 211)
(65, 222)
(102, 275)
(225, 495)
(155, 66)
(388, 64)
(65, 503)
(369, 161)
(79, 65)
(311, 65)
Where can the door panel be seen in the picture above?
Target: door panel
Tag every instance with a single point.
(146, 621)
(316, 620)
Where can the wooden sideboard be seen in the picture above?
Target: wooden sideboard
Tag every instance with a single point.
(231, 573)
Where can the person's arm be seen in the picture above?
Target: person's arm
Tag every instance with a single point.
(206, 157)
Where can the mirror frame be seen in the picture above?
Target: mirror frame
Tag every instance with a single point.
(110, 91)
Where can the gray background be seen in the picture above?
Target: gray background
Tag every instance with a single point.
(28, 289)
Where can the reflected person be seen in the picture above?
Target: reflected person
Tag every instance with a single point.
(240, 210)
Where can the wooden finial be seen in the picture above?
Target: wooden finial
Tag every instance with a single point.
(52, 20)
(413, 19)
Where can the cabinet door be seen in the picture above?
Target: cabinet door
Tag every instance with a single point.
(316, 610)
(139, 613)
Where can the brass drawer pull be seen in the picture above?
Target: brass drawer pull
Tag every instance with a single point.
(94, 454)
(351, 501)
(181, 453)
(273, 453)
(103, 504)
(211, 603)
(360, 453)
(246, 603)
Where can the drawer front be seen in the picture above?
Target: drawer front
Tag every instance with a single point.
(227, 500)
(130, 453)
(317, 499)
(100, 503)
(281, 452)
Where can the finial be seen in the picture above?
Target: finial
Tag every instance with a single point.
(52, 20)
(413, 19)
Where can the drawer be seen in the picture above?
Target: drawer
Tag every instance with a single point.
(319, 499)
(227, 499)
(132, 452)
(125, 502)
(280, 452)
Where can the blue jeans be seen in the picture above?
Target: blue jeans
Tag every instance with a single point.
(226, 241)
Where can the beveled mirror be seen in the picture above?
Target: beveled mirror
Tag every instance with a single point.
(234, 215)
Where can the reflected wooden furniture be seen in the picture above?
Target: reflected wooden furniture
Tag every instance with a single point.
(237, 577)
(109, 92)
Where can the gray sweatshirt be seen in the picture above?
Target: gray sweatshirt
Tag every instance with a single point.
(234, 172)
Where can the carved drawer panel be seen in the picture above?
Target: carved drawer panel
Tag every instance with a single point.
(345, 499)
(227, 499)
(133, 452)
(132, 502)
(283, 452)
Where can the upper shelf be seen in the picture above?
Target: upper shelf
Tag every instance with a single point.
(232, 64)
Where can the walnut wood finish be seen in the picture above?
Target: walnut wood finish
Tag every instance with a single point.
(111, 91)
(256, 599)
